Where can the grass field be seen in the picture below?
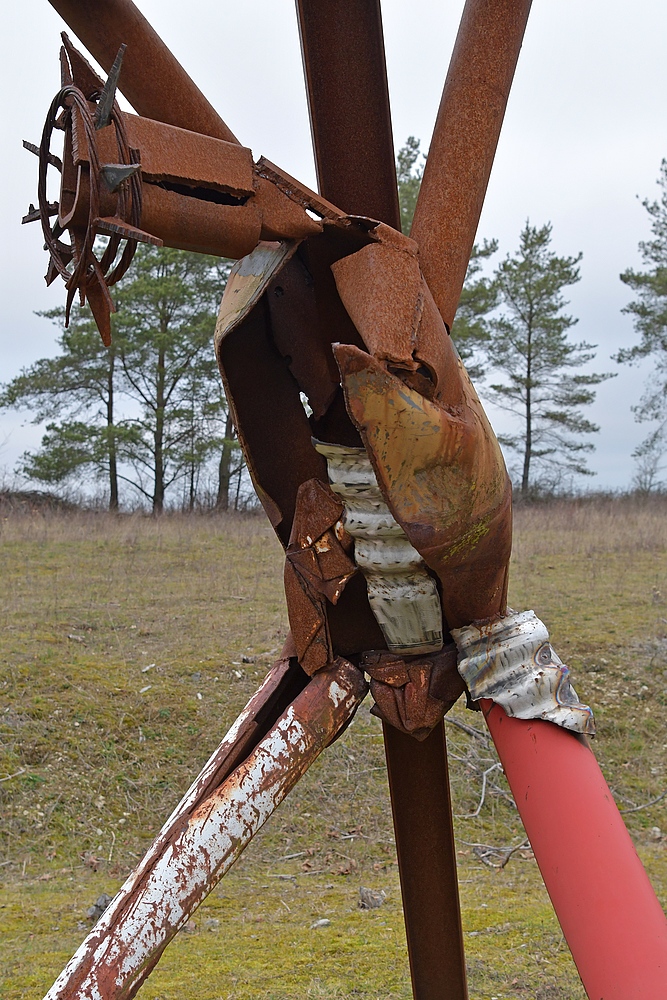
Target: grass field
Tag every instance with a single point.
(128, 645)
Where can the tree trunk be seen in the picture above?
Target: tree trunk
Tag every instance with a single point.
(192, 476)
(225, 465)
(158, 438)
(238, 486)
(111, 437)
(525, 478)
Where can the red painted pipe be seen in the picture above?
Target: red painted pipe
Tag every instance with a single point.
(609, 913)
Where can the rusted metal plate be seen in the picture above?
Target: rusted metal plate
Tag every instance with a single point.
(152, 79)
(413, 695)
(441, 469)
(300, 338)
(318, 567)
(464, 143)
(76, 69)
(247, 282)
(203, 837)
(381, 287)
(184, 156)
(298, 192)
(191, 223)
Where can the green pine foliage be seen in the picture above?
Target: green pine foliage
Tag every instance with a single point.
(649, 313)
(149, 413)
(165, 320)
(76, 393)
(529, 346)
(409, 171)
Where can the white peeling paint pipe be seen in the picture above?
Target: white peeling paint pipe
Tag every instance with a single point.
(198, 846)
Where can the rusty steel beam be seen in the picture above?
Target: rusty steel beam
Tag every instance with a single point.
(209, 829)
(152, 79)
(464, 143)
(348, 98)
(421, 806)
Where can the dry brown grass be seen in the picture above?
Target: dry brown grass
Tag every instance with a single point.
(90, 600)
(588, 526)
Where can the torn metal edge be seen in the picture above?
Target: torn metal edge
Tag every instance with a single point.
(511, 661)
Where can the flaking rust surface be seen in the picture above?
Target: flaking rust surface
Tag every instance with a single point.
(442, 472)
(152, 79)
(174, 186)
(395, 344)
(318, 565)
(464, 141)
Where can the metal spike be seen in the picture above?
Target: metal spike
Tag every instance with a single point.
(54, 160)
(83, 74)
(65, 70)
(71, 292)
(112, 224)
(100, 302)
(114, 174)
(108, 95)
(33, 213)
(51, 273)
(32, 216)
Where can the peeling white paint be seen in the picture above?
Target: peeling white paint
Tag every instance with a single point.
(337, 693)
(171, 881)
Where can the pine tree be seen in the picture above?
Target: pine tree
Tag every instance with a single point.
(79, 386)
(160, 374)
(649, 312)
(166, 315)
(529, 345)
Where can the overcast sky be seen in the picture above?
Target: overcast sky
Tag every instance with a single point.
(582, 142)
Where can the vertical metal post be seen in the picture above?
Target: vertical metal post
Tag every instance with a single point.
(348, 97)
(421, 805)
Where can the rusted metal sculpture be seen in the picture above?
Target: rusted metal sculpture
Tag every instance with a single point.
(389, 495)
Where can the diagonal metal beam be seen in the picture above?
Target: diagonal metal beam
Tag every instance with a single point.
(152, 79)
(464, 143)
(348, 97)
(257, 764)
